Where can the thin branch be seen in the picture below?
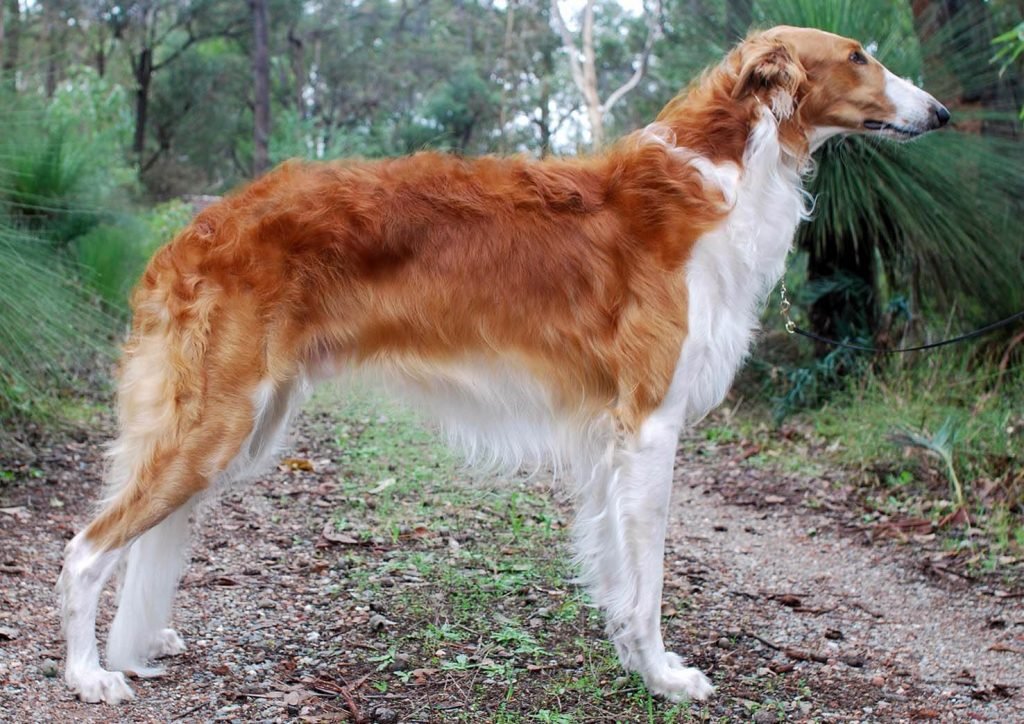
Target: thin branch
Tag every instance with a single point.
(570, 46)
(589, 57)
(641, 68)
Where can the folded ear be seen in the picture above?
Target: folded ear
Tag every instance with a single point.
(769, 70)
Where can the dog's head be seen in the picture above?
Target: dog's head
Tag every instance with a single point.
(831, 85)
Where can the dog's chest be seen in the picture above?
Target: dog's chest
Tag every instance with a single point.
(732, 270)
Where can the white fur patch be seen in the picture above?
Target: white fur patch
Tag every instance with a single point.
(913, 105)
(623, 511)
(783, 104)
(146, 593)
(499, 415)
(733, 269)
(81, 580)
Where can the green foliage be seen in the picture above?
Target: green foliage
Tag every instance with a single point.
(951, 400)
(112, 257)
(941, 213)
(203, 137)
(60, 165)
(1009, 51)
(44, 181)
(463, 104)
(941, 443)
(94, 111)
(163, 222)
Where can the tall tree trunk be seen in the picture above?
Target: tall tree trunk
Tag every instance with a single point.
(53, 47)
(853, 307)
(3, 37)
(506, 67)
(261, 87)
(297, 57)
(738, 16)
(544, 122)
(12, 39)
(99, 51)
(143, 70)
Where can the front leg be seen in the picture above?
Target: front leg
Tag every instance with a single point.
(620, 537)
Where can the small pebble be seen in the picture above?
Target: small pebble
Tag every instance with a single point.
(401, 663)
(48, 668)
(765, 716)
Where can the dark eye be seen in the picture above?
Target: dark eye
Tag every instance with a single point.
(858, 58)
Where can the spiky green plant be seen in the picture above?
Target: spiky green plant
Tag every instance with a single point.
(50, 328)
(50, 333)
(941, 444)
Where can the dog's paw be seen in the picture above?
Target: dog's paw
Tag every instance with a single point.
(166, 642)
(98, 685)
(677, 682)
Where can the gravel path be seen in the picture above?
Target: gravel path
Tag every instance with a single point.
(893, 636)
(770, 581)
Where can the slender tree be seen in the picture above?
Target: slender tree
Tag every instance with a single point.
(12, 41)
(261, 86)
(156, 33)
(583, 65)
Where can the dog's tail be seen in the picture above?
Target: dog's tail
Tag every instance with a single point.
(160, 403)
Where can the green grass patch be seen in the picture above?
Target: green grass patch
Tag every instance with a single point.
(475, 575)
(935, 435)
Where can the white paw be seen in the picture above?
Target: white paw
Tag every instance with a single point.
(166, 642)
(676, 682)
(98, 685)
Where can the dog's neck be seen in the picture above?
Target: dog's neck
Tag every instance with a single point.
(709, 121)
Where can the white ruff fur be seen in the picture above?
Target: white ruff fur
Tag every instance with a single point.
(502, 416)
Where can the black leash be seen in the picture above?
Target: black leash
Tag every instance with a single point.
(784, 307)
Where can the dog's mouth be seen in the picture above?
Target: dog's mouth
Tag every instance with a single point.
(900, 132)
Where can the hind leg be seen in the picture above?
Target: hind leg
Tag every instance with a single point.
(152, 503)
(150, 579)
(139, 632)
(86, 570)
(92, 556)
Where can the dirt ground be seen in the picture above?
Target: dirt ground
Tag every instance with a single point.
(351, 584)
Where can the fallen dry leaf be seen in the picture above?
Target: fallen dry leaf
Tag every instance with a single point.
(20, 512)
(332, 534)
(297, 464)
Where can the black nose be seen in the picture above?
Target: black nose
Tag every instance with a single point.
(941, 116)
